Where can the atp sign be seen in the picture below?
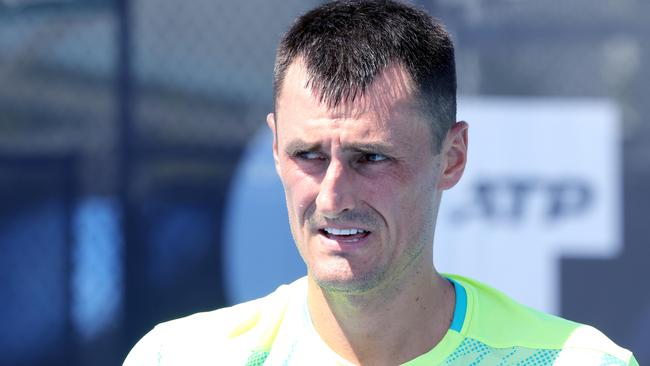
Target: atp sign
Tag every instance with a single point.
(542, 182)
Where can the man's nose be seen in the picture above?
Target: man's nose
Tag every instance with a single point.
(336, 194)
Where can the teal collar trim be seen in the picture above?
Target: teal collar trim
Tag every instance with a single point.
(460, 308)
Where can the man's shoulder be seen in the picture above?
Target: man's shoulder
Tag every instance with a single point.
(239, 319)
(233, 332)
(499, 322)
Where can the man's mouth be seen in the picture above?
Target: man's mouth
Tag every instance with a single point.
(346, 235)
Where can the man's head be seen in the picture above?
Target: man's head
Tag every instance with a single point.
(345, 45)
(353, 137)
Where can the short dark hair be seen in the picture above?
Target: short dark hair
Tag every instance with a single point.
(346, 44)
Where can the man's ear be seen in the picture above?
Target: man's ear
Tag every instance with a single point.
(270, 121)
(454, 155)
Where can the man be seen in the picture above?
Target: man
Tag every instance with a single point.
(365, 144)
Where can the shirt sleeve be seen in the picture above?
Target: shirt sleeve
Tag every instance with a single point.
(147, 352)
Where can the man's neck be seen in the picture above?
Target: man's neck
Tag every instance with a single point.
(386, 327)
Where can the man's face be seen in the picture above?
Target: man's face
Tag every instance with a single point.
(361, 181)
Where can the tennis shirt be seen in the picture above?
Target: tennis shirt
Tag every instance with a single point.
(488, 329)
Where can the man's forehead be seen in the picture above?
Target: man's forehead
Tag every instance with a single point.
(391, 91)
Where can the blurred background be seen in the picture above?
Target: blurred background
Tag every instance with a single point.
(126, 127)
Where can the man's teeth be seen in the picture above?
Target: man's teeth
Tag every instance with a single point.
(334, 231)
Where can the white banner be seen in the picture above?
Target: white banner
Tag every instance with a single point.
(542, 181)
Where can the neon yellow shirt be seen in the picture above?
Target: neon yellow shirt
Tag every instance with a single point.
(488, 329)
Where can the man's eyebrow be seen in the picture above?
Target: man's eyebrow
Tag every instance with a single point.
(369, 148)
(300, 145)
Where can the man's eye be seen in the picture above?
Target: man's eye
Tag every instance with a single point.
(374, 158)
(308, 155)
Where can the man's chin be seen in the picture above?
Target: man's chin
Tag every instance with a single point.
(348, 283)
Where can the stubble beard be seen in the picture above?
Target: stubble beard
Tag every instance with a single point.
(346, 282)
(339, 277)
